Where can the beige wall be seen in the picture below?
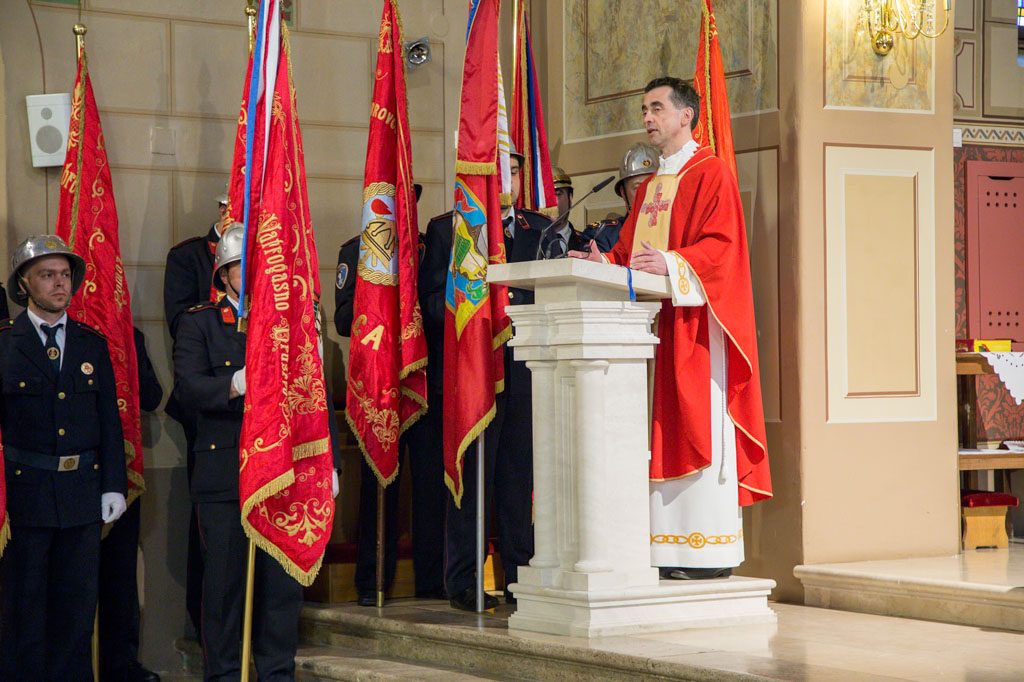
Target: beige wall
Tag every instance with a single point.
(172, 70)
(863, 458)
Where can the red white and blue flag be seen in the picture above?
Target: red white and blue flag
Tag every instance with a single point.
(528, 131)
(285, 462)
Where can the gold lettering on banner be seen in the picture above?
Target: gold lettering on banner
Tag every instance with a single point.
(382, 114)
(374, 337)
(268, 235)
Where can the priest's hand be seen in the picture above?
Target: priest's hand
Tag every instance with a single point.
(594, 254)
(112, 505)
(649, 259)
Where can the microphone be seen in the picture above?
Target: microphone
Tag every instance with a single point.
(565, 214)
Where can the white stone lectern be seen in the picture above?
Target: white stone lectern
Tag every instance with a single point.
(587, 346)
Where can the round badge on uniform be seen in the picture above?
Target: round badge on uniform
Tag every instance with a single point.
(87, 368)
(52, 353)
(342, 275)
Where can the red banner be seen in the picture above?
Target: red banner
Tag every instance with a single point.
(528, 132)
(475, 325)
(714, 128)
(285, 462)
(87, 221)
(387, 379)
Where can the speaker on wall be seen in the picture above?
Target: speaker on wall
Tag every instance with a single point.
(48, 120)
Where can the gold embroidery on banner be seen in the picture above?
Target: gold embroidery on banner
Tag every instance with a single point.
(414, 328)
(696, 540)
(305, 521)
(384, 423)
(258, 447)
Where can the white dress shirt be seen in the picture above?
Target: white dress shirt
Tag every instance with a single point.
(61, 333)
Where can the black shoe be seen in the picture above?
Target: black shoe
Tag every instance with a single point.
(695, 573)
(466, 600)
(133, 672)
(367, 598)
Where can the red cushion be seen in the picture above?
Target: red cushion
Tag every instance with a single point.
(978, 498)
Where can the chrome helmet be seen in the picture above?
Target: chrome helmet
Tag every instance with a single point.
(229, 250)
(640, 159)
(561, 178)
(35, 248)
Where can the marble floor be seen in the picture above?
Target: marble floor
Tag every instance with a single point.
(807, 644)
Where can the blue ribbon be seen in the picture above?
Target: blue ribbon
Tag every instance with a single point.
(250, 125)
(629, 283)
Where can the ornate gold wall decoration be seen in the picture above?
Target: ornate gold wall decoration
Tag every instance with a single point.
(856, 77)
(613, 47)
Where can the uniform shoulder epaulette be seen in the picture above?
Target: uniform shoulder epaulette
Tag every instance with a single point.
(530, 211)
(354, 239)
(188, 241)
(446, 214)
(89, 328)
(6, 324)
(200, 306)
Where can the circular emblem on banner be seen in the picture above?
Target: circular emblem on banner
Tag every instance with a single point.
(342, 275)
(378, 248)
(52, 353)
(87, 368)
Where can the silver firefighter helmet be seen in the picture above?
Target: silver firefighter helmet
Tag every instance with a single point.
(33, 249)
(640, 159)
(229, 250)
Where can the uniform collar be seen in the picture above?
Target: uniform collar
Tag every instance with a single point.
(674, 163)
(36, 321)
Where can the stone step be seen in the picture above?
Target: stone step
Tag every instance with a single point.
(320, 664)
(434, 635)
(979, 587)
(323, 663)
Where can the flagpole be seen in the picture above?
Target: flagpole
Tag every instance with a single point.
(380, 545)
(250, 579)
(250, 16)
(481, 549)
(80, 31)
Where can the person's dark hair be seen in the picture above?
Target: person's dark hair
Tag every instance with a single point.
(682, 95)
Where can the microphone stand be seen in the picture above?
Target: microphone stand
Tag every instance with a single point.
(565, 214)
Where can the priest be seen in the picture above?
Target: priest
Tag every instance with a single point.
(708, 452)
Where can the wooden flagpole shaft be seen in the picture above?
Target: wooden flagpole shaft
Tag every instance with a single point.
(250, 579)
(481, 540)
(380, 545)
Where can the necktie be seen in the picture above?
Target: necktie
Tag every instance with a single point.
(52, 350)
(557, 247)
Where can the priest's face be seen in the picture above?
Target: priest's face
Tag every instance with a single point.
(667, 124)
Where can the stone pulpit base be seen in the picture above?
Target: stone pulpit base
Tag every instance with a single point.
(587, 346)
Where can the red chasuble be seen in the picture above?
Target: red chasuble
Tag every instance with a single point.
(707, 231)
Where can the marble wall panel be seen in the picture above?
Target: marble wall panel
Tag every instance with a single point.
(338, 89)
(855, 77)
(128, 58)
(336, 151)
(199, 144)
(211, 60)
(425, 88)
(612, 50)
(195, 202)
(419, 17)
(146, 284)
(144, 215)
(199, 10)
(335, 206)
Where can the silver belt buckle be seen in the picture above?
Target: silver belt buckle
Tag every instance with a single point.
(68, 463)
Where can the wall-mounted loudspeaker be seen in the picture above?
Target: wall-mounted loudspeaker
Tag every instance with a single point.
(48, 119)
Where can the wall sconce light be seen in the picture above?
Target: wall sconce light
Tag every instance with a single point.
(885, 19)
(417, 52)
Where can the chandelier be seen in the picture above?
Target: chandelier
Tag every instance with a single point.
(885, 19)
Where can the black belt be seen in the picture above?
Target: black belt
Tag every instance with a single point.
(39, 460)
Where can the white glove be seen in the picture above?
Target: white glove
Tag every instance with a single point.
(238, 381)
(112, 505)
(335, 487)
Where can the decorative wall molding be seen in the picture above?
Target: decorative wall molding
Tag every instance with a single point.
(990, 134)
